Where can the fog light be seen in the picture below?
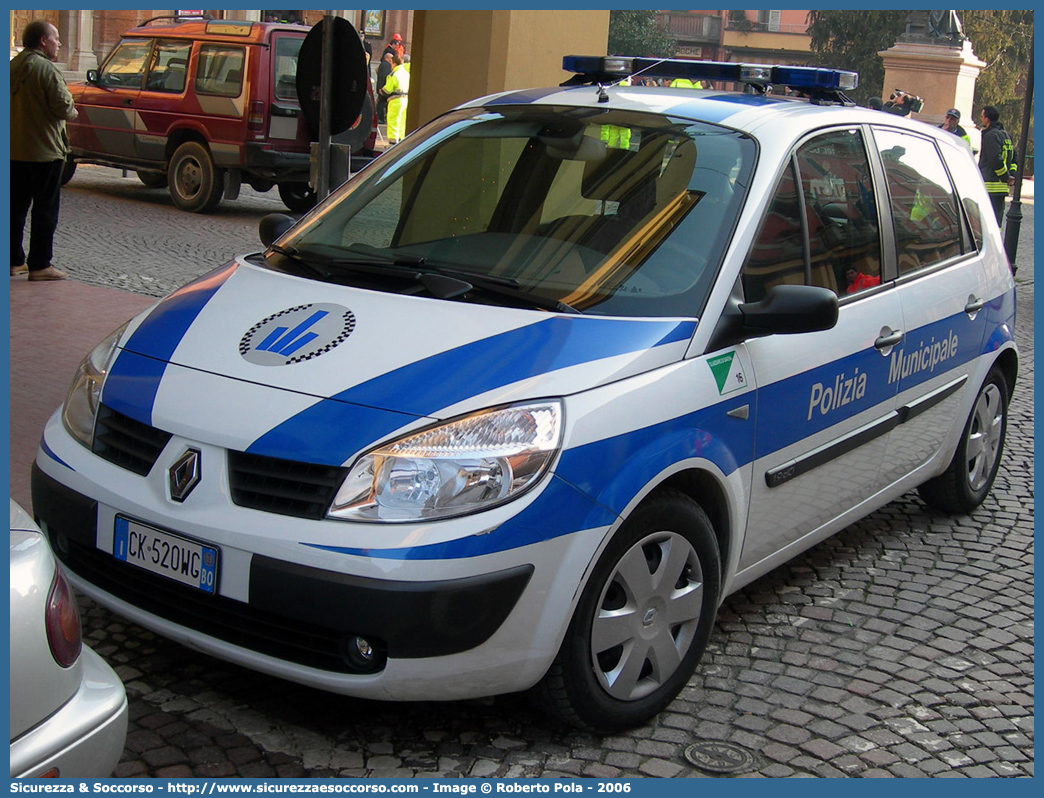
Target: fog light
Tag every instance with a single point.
(362, 648)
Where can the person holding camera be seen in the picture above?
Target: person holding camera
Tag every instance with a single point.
(902, 103)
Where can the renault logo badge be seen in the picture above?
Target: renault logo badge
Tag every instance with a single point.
(184, 475)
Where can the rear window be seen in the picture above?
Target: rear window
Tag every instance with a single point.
(284, 66)
(608, 211)
(220, 70)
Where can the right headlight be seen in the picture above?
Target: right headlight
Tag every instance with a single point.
(84, 396)
(459, 467)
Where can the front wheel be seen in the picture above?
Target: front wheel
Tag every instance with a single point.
(968, 479)
(196, 185)
(298, 197)
(642, 622)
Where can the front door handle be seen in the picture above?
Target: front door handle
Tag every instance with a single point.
(887, 339)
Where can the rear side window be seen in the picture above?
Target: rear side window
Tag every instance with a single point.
(924, 207)
(125, 68)
(169, 68)
(220, 70)
(821, 227)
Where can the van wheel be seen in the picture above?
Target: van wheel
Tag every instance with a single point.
(642, 622)
(68, 170)
(966, 483)
(195, 184)
(298, 197)
(153, 179)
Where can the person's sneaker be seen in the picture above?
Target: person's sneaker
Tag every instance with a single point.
(17, 270)
(50, 273)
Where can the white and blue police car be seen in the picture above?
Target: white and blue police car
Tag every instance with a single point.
(520, 403)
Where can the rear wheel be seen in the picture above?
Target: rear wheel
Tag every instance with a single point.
(966, 483)
(196, 184)
(153, 179)
(642, 622)
(298, 197)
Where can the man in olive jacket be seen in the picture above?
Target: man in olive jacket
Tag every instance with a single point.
(40, 106)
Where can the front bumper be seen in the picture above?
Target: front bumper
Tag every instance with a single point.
(292, 602)
(295, 612)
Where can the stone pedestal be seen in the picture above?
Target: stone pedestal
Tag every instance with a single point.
(943, 74)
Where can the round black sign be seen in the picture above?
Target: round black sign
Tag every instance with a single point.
(350, 76)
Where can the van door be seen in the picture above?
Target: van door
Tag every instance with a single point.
(108, 108)
(286, 127)
(943, 292)
(824, 401)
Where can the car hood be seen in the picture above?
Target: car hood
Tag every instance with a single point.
(254, 359)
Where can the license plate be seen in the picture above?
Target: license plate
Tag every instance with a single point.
(168, 555)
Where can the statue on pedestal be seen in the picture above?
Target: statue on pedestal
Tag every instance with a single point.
(934, 27)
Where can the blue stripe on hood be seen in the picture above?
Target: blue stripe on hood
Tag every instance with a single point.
(427, 386)
(133, 381)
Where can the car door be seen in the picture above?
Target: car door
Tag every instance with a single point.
(943, 293)
(162, 100)
(824, 401)
(108, 116)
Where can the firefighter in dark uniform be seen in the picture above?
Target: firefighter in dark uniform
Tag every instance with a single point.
(996, 159)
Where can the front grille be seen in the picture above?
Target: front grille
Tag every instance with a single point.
(125, 442)
(286, 487)
(285, 638)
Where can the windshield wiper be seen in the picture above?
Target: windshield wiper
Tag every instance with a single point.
(443, 282)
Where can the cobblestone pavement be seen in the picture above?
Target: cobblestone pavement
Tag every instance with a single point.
(901, 647)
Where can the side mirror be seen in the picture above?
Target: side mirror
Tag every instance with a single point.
(791, 309)
(274, 225)
(784, 309)
(92, 77)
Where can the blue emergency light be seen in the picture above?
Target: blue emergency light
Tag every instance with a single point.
(814, 81)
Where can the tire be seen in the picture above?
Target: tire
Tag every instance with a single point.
(195, 184)
(68, 170)
(967, 481)
(642, 621)
(298, 197)
(153, 179)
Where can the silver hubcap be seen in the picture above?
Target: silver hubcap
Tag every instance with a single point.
(190, 177)
(647, 616)
(984, 436)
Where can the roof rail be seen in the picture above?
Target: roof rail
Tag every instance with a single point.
(172, 18)
(821, 86)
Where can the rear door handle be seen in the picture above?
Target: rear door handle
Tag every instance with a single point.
(974, 305)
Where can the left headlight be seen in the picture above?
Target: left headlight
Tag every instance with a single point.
(460, 467)
(81, 402)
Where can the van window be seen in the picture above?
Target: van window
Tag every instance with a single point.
(169, 67)
(220, 70)
(284, 65)
(826, 232)
(125, 68)
(924, 209)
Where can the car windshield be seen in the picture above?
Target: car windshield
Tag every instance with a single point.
(591, 210)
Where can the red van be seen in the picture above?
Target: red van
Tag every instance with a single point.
(201, 107)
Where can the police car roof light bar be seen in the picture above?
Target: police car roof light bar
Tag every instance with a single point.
(820, 84)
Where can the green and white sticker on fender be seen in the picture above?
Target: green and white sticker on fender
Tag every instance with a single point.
(728, 372)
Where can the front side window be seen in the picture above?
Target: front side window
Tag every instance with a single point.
(125, 68)
(925, 213)
(169, 68)
(607, 212)
(821, 227)
(220, 70)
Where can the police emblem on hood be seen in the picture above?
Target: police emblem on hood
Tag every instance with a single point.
(296, 334)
